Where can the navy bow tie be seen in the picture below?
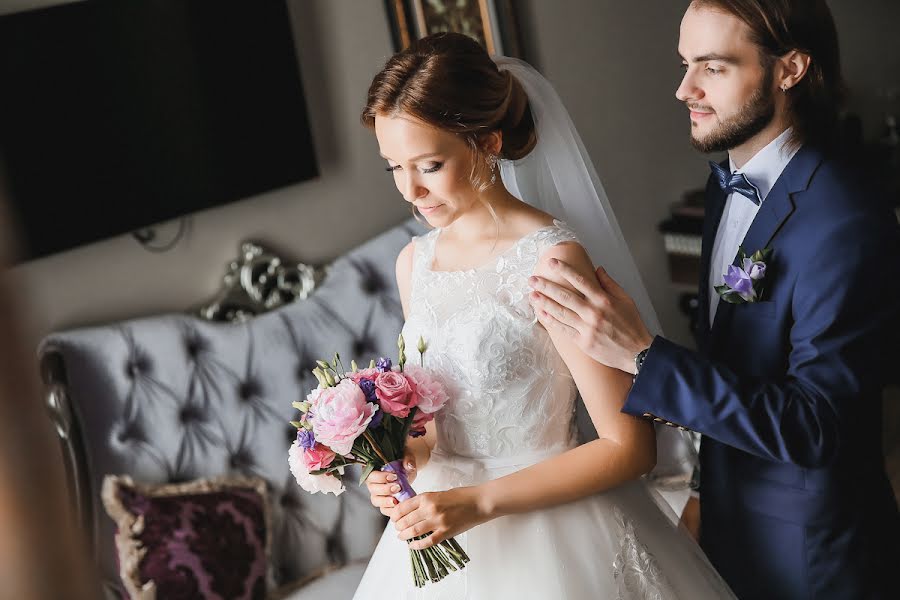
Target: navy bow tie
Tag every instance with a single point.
(735, 182)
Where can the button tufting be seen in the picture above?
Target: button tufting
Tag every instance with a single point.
(249, 389)
(371, 280)
(240, 460)
(363, 347)
(194, 345)
(137, 366)
(190, 413)
(130, 433)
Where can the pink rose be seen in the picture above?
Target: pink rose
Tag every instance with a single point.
(363, 374)
(341, 415)
(432, 395)
(318, 457)
(395, 393)
(419, 421)
(328, 484)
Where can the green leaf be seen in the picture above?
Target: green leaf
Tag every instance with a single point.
(761, 255)
(407, 423)
(387, 446)
(297, 424)
(366, 472)
(728, 296)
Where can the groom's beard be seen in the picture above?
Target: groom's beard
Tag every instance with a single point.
(751, 119)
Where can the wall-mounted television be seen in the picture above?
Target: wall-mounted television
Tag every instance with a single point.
(119, 114)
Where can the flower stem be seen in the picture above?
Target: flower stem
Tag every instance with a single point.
(375, 446)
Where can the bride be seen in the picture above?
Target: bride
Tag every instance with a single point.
(539, 515)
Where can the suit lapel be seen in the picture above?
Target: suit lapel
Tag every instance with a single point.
(777, 208)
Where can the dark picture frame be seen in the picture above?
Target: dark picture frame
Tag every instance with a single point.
(490, 22)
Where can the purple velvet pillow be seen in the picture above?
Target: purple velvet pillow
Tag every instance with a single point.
(207, 539)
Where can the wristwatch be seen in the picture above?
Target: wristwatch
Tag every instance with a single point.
(639, 360)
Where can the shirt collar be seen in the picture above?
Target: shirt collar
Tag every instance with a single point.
(766, 166)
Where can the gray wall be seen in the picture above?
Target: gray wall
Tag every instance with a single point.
(614, 64)
(340, 46)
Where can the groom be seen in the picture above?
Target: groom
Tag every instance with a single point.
(786, 384)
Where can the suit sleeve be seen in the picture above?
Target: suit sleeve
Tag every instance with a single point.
(844, 304)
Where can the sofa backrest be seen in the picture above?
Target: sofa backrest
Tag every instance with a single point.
(173, 397)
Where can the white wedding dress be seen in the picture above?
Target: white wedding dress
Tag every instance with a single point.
(512, 404)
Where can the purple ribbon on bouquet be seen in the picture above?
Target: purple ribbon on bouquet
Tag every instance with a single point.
(396, 467)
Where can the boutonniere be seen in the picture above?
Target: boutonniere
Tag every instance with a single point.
(745, 283)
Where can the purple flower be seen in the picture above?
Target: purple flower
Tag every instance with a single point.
(376, 419)
(368, 388)
(306, 439)
(383, 364)
(740, 283)
(414, 433)
(756, 270)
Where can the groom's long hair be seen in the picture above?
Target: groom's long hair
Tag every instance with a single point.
(779, 26)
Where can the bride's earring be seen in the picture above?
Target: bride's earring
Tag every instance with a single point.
(492, 165)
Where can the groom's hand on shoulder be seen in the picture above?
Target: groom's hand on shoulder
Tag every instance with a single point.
(601, 317)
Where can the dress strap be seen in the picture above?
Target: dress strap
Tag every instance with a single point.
(558, 233)
(423, 251)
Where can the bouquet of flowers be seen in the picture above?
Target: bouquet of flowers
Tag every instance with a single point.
(364, 416)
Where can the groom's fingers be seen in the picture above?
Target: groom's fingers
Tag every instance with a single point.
(562, 295)
(585, 286)
(551, 324)
(608, 283)
(540, 302)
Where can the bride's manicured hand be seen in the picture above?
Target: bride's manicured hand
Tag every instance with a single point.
(383, 485)
(601, 317)
(442, 514)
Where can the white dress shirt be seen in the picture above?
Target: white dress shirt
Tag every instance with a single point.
(763, 170)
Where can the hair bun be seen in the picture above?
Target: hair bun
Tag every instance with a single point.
(517, 123)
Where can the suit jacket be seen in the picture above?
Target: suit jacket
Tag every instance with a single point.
(787, 393)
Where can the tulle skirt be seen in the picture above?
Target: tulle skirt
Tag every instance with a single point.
(617, 545)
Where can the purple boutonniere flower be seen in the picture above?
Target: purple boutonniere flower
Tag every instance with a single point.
(745, 283)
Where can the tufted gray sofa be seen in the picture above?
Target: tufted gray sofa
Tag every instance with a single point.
(173, 398)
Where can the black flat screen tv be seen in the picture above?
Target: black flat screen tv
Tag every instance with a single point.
(119, 114)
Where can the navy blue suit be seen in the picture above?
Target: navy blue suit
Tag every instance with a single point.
(786, 391)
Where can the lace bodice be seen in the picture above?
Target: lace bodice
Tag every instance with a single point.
(510, 391)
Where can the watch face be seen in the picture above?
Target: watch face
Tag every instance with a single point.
(639, 359)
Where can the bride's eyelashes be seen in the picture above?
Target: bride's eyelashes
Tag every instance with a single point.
(434, 168)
